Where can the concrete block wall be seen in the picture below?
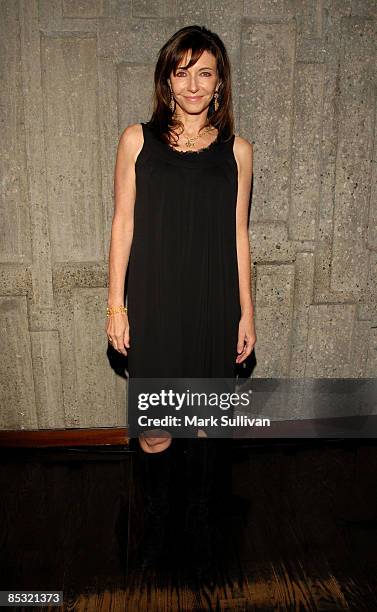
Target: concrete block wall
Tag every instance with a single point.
(75, 73)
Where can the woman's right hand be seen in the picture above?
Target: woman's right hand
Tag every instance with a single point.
(118, 332)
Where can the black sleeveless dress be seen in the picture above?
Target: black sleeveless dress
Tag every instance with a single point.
(183, 291)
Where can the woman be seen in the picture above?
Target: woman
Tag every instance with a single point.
(180, 226)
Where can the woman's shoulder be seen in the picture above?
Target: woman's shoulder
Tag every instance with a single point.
(132, 133)
(242, 144)
(132, 139)
(243, 149)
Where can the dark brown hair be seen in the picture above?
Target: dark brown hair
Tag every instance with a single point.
(197, 39)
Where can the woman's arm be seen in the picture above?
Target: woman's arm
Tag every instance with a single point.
(130, 144)
(243, 152)
(123, 216)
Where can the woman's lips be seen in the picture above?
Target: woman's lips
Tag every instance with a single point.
(193, 98)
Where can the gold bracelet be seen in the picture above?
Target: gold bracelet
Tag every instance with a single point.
(114, 309)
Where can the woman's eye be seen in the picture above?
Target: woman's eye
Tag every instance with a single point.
(178, 74)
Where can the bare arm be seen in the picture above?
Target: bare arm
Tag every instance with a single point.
(130, 144)
(123, 217)
(244, 156)
(243, 152)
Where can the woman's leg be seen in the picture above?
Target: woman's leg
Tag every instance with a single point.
(155, 444)
(155, 461)
(200, 467)
(202, 433)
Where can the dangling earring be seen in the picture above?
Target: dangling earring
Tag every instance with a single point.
(216, 100)
(172, 101)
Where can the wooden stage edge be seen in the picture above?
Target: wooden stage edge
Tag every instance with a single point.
(44, 438)
(355, 427)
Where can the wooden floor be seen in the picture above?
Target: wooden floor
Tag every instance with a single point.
(296, 525)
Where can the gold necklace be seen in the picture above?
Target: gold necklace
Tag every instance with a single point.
(190, 142)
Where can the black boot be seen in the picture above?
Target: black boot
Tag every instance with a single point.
(200, 465)
(155, 477)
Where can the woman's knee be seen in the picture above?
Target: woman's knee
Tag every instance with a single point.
(155, 444)
(201, 434)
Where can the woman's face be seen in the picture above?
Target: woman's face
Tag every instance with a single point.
(193, 88)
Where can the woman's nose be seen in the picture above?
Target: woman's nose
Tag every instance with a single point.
(193, 85)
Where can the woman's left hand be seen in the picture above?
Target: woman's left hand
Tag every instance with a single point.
(246, 337)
